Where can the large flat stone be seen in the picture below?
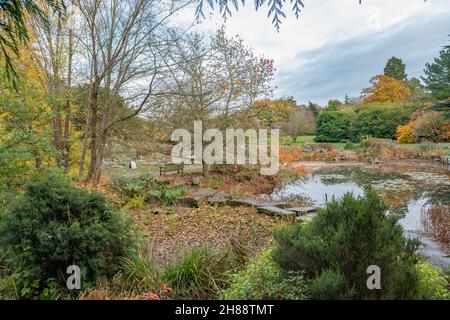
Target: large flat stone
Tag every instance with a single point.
(275, 211)
(220, 198)
(243, 203)
(257, 203)
(197, 197)
(279, 204)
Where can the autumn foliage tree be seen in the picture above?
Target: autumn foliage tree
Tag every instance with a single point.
(405, 134)
(270, 112)
(385, 89)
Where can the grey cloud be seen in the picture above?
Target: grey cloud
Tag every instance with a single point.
(346, 67)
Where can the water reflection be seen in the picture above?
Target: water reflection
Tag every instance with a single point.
(318, 188)
(407, 195)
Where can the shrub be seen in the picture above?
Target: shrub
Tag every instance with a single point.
(350, 146)
(166, 194)
(200, 273)
(133, 185)
(329, 285)
(54, 225)
(430, 126)
(405, 134)
(340, 244)
(387, 149)
(432, 283)
(332, 126)
(262, 279)
(380, 120)
(140, 272)
(141, 188)
(436, 222)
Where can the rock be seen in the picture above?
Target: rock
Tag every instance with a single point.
(275, 211)
(243, 203)
(197, 181)
(197, 197)
(303, 210)
(256, 203)
(279, 204)
(220, 198)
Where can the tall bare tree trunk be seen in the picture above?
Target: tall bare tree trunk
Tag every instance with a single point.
(68, 106)
(84, 151)
(93, 130)
(99, 159)
(57, 135)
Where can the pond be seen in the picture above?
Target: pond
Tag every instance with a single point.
(407, 189)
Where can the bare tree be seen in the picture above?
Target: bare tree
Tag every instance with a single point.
(55, 52)
(300, 122)
(122, 41)
(210, 80)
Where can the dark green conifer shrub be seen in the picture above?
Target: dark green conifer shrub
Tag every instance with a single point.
(337, 247)
(54, 225)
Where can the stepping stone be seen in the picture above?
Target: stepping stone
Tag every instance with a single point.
(219, 198)
(279, 204)
(197, 197)
(275, 211)
(243, 202)
(303, 210)
(257, 203)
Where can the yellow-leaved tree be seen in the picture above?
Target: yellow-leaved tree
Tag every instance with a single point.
(385, 89)
(269, 112)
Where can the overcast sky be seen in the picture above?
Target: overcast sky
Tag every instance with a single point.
(336, 46)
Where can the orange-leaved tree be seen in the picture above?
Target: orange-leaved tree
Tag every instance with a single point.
(385, 89)
(405, 134)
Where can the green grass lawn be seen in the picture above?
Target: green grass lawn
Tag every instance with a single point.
(303, 139)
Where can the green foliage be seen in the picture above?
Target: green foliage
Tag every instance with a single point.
(395, 68)
(14, 29)
(432, 283)
(350, 146)
(140, 272)
(54, 225)
(314, 108)
(200, 273)
(418, 93)
(437, 75)
(25, 141)
(132, 185)
(329, 285)
(336, 248)
(141, 188)
(167, 195)
(262, 279)
(334, 105)
(333, 126)
(380, 120)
